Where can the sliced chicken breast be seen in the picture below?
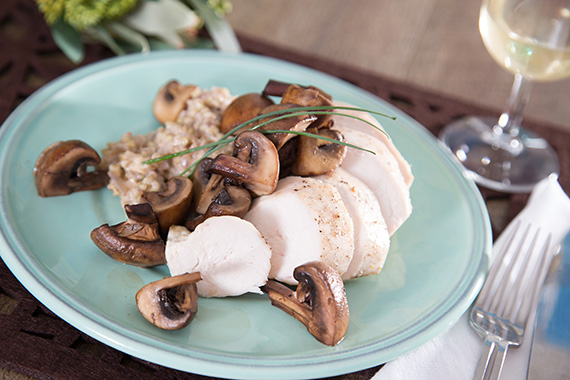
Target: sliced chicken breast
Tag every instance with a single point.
(344, 122)
(229, 252)
(371, 238)
(381, 173)
(305, 219)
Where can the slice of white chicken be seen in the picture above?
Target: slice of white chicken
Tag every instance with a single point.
(303, 220)
(229, 252)
(381, 173)
(344, 122)
(371, 238)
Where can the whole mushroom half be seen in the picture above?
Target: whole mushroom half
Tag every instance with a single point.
(319, 302)
(171, 100)
(170, 303)
(171, 205)
(255, 163)
(242, 109)
(316, 156)
(61, 169)
(136, 241)
(232, 200)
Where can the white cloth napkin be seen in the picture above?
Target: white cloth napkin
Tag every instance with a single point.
(454, 353)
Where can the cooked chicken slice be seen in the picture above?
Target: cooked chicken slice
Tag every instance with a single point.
(229, 252)
(304, 220)
(349, 122)
(371, 239)
(381, 173)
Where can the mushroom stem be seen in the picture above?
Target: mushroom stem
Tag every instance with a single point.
(275, 88)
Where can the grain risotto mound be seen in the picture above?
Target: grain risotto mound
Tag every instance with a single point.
(197, 124)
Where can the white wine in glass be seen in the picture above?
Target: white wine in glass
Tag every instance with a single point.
(531, 39)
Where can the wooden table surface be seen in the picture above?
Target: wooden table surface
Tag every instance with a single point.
(431, 43)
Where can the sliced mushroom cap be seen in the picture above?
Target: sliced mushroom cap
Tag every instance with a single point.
(316, 156)
(232, 200)
(171, 100)
(242, 109)
(172, 205)
(319, 302)
(170, 303)
(255, 163)
(136, 241)
(61, 169)
(294, 123)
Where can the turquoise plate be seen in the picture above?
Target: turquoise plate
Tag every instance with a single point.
(434, 270)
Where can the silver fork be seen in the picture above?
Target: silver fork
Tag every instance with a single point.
(508, 296)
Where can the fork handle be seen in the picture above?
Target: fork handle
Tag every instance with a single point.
(485, 359)
(492, 358)
(502, 349)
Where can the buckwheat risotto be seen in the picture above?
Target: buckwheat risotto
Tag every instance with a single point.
(197, 124)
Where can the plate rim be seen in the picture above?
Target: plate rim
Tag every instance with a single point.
(38, 287)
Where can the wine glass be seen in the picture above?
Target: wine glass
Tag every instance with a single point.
(530, 38)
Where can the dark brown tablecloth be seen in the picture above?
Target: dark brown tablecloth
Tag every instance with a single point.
(34, 341)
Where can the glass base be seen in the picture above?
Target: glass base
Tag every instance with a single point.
(500, 162)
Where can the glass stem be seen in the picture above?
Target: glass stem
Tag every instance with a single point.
(510, 120)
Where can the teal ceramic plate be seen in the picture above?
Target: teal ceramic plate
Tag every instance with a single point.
(434, 270)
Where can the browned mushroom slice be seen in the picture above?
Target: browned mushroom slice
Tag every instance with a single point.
(306, 97)
(61, 169)
(172, 205)
(255, 163)
(277, 88)
(316, 156)
(232, 200)
(319, 301)
(207, 186)
(200, 180)
(242, 109)
(171, 100)
(296, 123)
(170, 303)
(136, 241)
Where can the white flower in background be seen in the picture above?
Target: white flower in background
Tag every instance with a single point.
(138, 25)
(164, 19)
